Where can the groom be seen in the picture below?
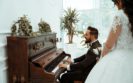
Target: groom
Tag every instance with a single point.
(79, 68)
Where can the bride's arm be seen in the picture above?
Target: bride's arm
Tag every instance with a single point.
(112, 38)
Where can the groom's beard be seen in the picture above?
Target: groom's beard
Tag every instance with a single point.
(88, 41)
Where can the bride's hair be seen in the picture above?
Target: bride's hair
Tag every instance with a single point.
(128, 9)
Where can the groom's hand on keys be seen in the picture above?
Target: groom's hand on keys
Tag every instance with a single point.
(61, 65)
(69, 61)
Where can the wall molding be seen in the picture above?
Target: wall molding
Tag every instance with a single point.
(3, 57)
(3, 54)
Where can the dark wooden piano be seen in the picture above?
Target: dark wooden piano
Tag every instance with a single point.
(34, 59)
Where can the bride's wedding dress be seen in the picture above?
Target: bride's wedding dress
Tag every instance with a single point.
(117, 65)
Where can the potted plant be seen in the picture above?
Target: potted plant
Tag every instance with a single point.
(22, 27)
(44, 26)
(68, 22)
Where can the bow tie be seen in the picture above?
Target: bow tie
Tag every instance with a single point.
(90, 44)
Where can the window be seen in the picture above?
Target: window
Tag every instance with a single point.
(79, 4)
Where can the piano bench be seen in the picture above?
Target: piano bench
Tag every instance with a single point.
(77, 81)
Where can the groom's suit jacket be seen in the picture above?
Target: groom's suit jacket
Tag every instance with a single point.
(86, 62)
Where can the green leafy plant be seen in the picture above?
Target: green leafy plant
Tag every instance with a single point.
(68, 22)
(22, 27)
(44, 26)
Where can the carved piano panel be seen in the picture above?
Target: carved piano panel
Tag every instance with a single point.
(34, 59)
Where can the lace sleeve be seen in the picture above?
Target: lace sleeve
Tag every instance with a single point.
(113, 36)
(116, 22)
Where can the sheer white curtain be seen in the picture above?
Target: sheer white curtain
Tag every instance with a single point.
(96, 13)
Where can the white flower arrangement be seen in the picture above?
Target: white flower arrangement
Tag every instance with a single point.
(96, 51)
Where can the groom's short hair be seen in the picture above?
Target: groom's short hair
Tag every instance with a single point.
(93, 31)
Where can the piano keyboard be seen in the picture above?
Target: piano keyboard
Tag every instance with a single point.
(55, 70)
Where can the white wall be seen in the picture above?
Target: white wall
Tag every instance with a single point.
(49, 10)
(11, 10)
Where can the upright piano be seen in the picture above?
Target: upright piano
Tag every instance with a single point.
(34, 59)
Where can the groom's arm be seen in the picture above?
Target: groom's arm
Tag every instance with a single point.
(74, 61)
(79, 58)
(90, 59)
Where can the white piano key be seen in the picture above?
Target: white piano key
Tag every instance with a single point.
(57, 67)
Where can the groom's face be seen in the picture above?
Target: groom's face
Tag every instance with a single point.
(88, 36)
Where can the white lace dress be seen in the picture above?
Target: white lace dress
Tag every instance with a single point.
(117, 65)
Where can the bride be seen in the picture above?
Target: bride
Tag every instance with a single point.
(116, 64)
